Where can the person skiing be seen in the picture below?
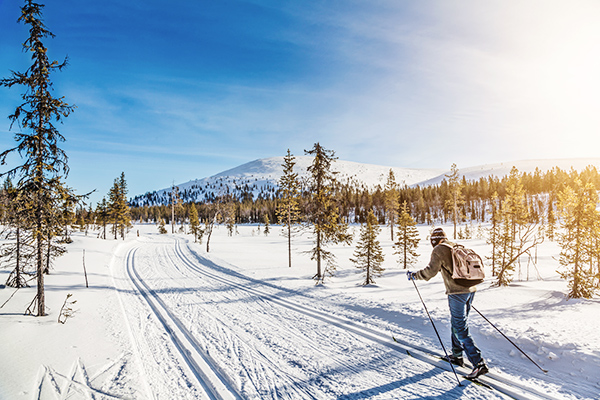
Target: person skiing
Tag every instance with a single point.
(460, 299)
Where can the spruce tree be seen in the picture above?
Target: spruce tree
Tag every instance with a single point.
(517, 234)
(102, 216)
(456, 201)
(44, 161)
(118, 208)
(577, 206)
(161, 226)
(391, 202)
(194, 222)
(90, 219)
(18, 251)
(551, 220)
(407, 238)
(323, 213)
(494, 236)
(368, 255)
(288, 209)
(267, 225)
(176, 206)
(228, 215)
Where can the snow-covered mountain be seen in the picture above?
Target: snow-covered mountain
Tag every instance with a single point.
(502, 169)
(260, 177)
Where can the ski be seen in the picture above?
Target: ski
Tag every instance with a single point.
(478, 382)
(474, 380)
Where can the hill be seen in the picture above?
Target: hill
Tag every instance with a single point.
(259, 178)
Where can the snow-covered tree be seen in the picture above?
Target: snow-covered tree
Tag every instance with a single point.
(368, 255)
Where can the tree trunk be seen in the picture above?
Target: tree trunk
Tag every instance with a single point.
(289, 245)
(318, 275)
(41, 301)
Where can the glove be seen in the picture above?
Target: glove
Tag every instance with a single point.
(411, 275)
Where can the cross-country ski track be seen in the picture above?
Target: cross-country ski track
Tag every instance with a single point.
(202, 330)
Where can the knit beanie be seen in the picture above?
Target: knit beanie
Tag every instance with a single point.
(437, 236)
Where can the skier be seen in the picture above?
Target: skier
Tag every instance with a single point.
(460, 299)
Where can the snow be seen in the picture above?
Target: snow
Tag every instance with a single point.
(500, 170)
(263, 174)
(164, 319)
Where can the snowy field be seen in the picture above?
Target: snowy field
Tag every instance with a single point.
(162, 319)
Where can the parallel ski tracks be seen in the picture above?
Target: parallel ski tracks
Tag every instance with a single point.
(504, 385)
(216, 384)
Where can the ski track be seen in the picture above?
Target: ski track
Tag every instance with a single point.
(216, 335)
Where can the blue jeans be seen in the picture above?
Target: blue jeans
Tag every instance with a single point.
(460, 305)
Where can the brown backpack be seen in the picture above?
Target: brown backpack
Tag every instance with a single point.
(467, 266)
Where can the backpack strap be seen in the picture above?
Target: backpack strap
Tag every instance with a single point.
(451, 247)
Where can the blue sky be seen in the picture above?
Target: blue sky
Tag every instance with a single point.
(169, 91)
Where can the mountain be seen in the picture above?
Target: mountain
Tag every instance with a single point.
(503, 169)
(259, 178)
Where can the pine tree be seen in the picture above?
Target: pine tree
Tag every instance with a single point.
(44, 160)
(368, 255)
(118, 208)
(228, 215)
(456, 200)
(67, 216)
(517, 234)
(408, 238)
(288, 209)
(494, 236)
(176, 206)
(18, 251)
(577, 208)
(551, 225)
(90, 219)
(102, 214)
(194, 222)
(267, 225)
(391, 202)
(161, 226)
(328, 227)
(213, 214)
(80, 220)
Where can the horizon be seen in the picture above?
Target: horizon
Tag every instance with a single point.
(473, 172)
(169, 93)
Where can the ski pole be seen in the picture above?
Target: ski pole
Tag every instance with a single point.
(507, 338)
(436, 332)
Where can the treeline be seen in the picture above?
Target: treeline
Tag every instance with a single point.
(427, 204)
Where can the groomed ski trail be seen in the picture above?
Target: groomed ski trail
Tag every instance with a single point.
(213, 333)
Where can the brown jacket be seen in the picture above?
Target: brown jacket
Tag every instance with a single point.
(441, 260)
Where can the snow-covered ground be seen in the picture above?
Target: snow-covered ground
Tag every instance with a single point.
(163, 319)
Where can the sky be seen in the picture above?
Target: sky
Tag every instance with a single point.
(170, 91)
